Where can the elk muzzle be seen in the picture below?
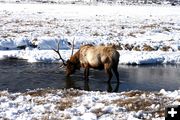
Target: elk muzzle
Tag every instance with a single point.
(68, 73)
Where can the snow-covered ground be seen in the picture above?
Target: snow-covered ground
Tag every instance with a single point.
(142, 34)
(82, 105)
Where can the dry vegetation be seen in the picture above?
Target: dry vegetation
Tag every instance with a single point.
(138, 100)
(151, 104)
(114, 30)
(65, 102)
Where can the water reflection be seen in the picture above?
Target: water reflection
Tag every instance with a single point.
(70, 83)
(18, 75)
(110, 89)
(152, 77)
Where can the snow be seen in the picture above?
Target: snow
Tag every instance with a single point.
(31, 31)
(39, 29)
(39, 104)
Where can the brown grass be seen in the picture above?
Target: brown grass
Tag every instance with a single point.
(137, 48)
(133, 93)
(167, 29)
(133, 104)
(71, 93)
(149, 26)
(116, 46)
(96, 34)
(41, 92)
(132, 34)
(147, 48)
(128, 47)
(64, 103)
(136, 102)
(165, 48)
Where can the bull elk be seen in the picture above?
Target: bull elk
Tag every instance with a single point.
(97, 57)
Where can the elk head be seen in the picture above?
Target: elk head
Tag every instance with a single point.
(71, 64)
(70, 68)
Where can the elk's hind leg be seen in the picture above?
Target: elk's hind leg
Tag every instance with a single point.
(116, 74)
(115, 69)
(86, 74)
(108, 71)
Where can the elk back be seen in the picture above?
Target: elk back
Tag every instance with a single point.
(97, 56)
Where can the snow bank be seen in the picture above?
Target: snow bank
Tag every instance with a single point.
(126, 57)
(158, 57)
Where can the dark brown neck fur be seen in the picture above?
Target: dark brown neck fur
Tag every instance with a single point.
(75, 59)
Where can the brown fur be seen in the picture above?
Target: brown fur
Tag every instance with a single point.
(97, 57)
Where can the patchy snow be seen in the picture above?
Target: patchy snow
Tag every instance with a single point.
(142, 35)
(77, 104)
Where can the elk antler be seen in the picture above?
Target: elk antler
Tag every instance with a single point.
(72, 47)
(57, 51)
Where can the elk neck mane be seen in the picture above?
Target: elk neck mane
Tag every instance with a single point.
(75, 59)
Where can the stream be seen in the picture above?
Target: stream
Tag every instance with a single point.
(20, 76)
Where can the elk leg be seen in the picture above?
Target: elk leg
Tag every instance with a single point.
(86, 73)
(110, 75)
(86, 86)
(108, 71)
(109, 87)
(115, 69)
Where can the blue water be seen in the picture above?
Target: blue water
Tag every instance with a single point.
(20, 76)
